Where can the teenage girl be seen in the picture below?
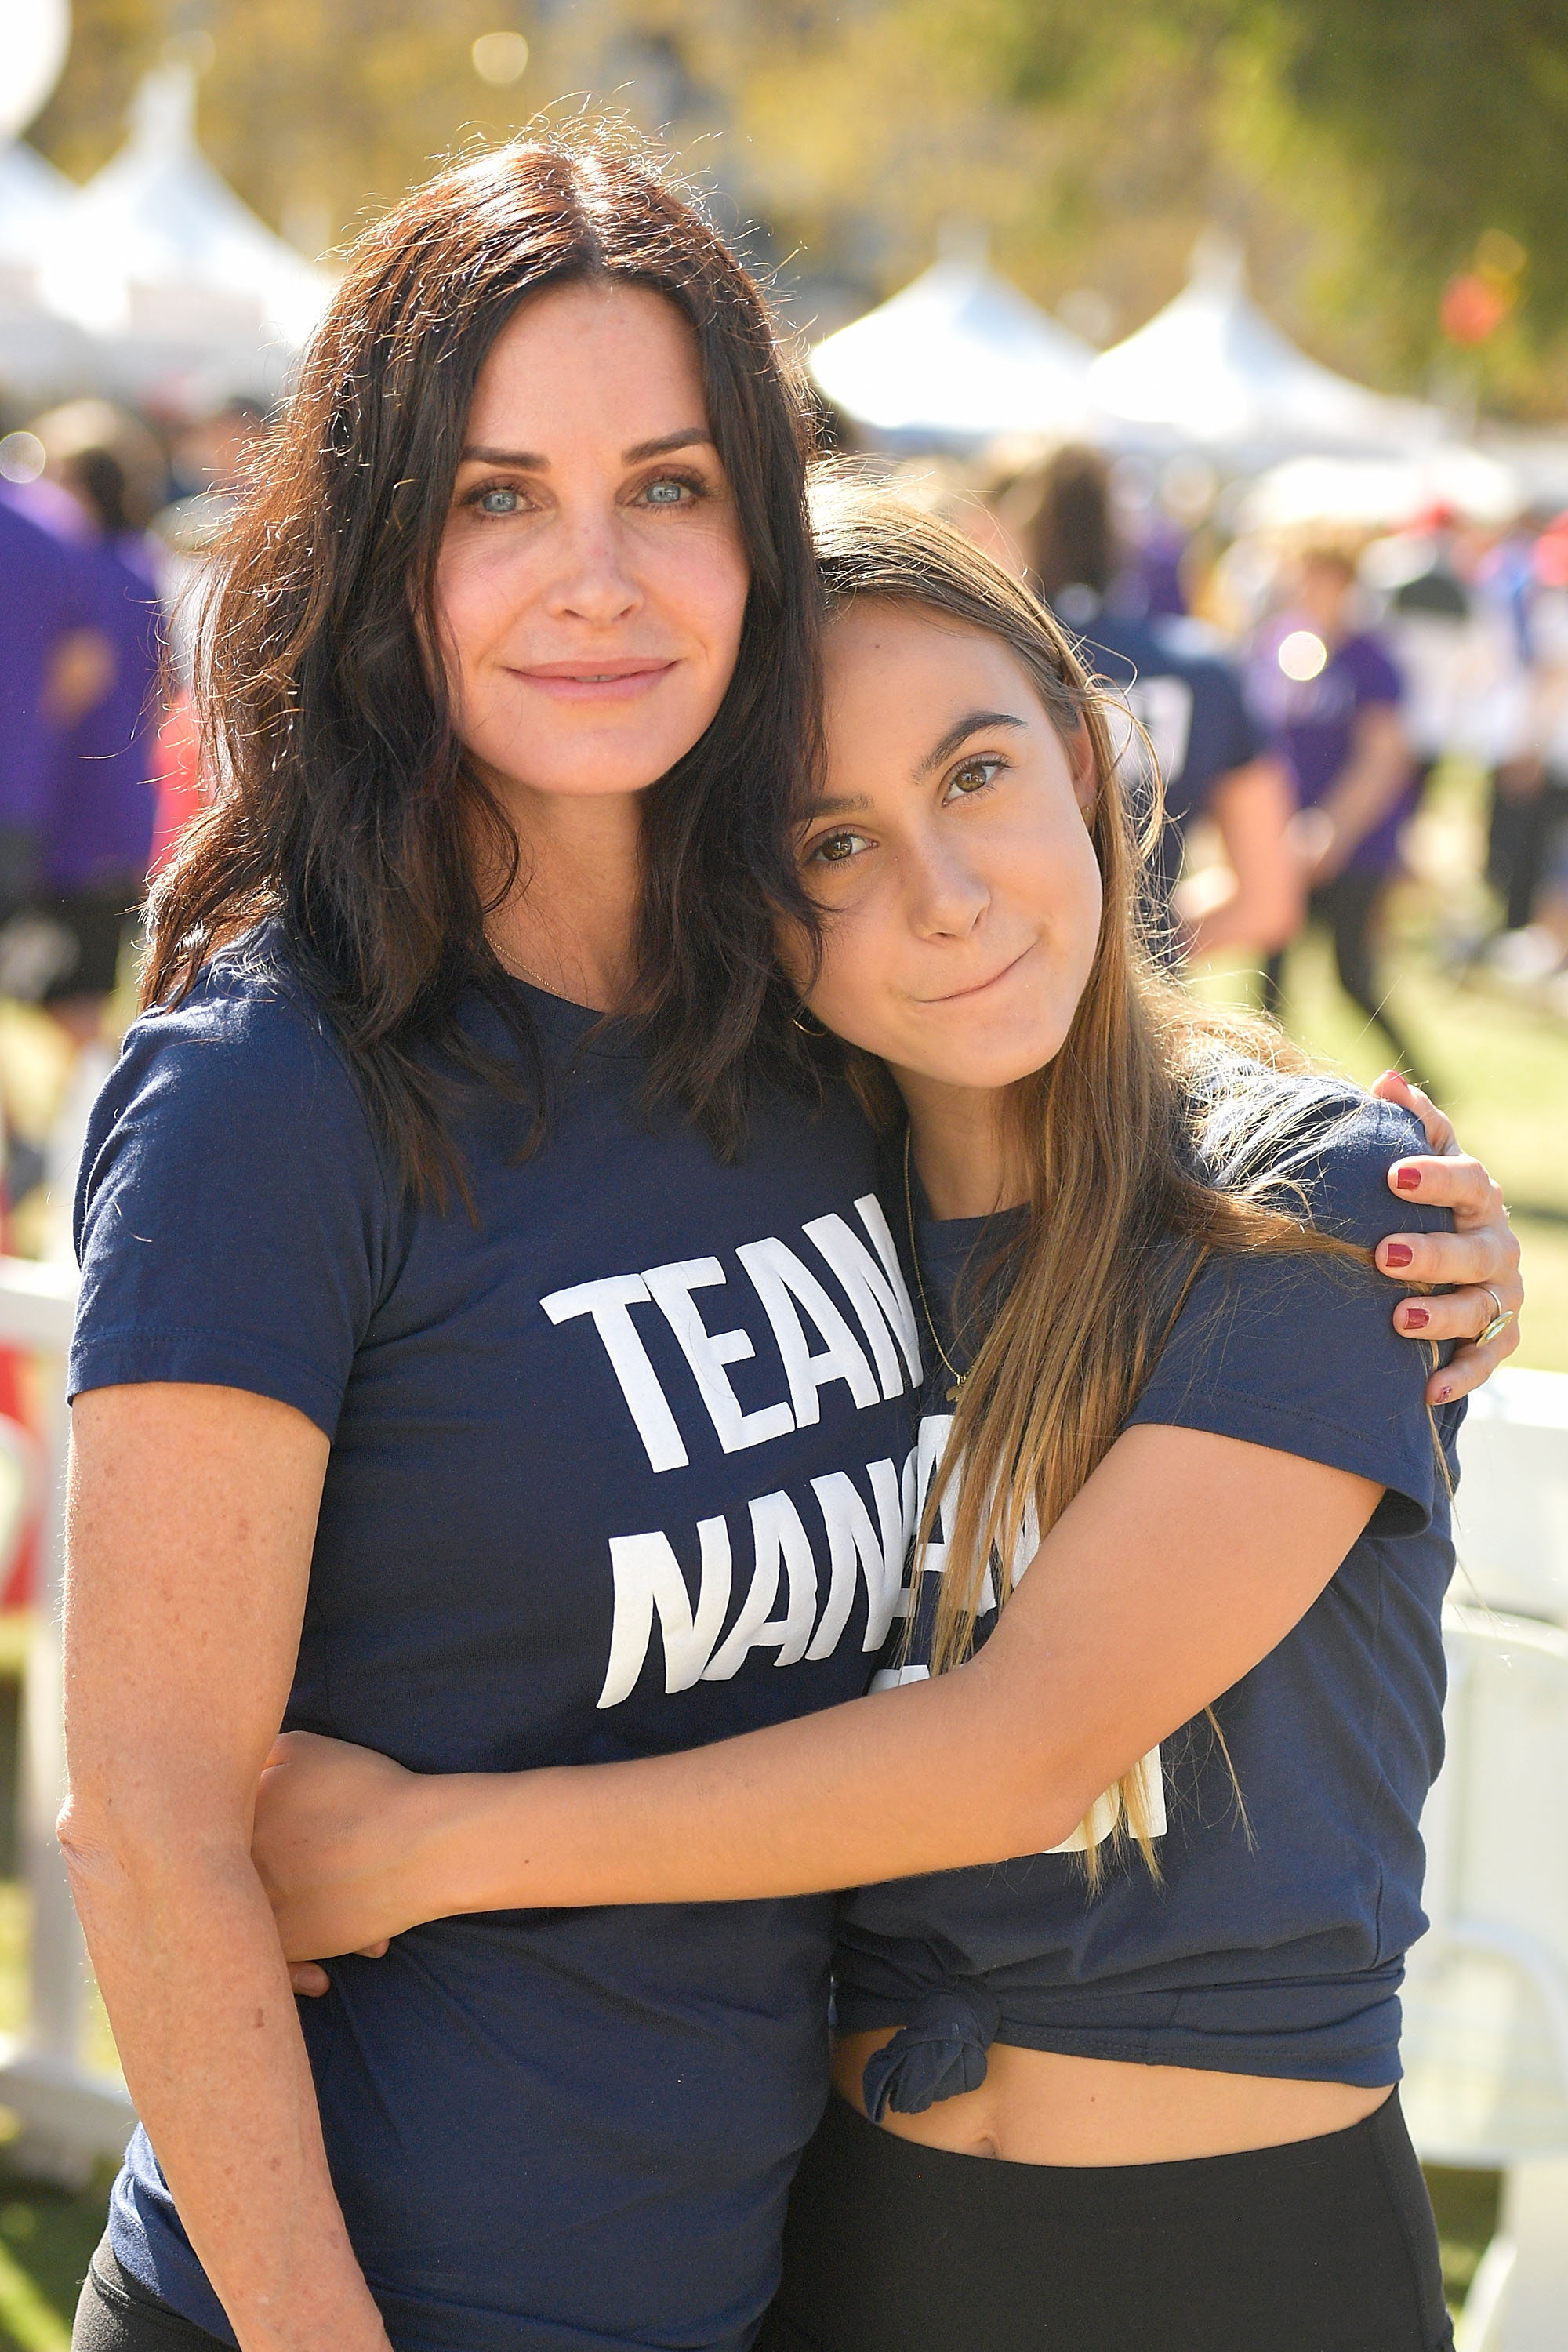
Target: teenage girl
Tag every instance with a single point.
(1118, 2000)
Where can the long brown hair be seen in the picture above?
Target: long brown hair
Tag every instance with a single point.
(343, 804)
(1159, 1119)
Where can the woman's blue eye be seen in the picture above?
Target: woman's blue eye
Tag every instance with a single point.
(666, 494)
(499, 502)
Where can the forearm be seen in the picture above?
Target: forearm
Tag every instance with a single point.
(907, 1781)
(1253, 807)
(1366, 788)
(187, 1958)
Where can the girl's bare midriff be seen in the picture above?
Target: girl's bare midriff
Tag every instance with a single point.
(1035, 2107)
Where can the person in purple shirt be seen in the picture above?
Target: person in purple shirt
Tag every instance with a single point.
(95, 820)
(55, 663)
(1328, 696)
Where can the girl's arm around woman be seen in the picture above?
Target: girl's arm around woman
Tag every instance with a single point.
(1185, 1560)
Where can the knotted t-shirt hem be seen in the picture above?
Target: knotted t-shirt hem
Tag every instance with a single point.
(1362, 2048)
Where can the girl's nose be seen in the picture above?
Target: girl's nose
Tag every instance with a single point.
(947, 898)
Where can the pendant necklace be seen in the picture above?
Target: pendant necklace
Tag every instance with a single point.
(958, 1378)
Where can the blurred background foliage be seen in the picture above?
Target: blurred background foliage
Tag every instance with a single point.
(1369, 155)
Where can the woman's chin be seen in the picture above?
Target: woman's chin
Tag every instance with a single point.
(597, 762)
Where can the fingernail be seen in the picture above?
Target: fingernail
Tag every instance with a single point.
(1444, 1394)
(1417, 1319)
(1408, 1179)
(1397, 1253)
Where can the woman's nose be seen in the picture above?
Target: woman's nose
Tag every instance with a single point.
(592, 579)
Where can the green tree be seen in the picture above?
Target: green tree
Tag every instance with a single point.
(1365, 153)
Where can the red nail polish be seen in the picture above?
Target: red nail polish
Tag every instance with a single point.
(1408, 1179)
(1397, 1254)
(1417, 1319)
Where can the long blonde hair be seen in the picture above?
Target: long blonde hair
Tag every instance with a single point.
(1161, 1117)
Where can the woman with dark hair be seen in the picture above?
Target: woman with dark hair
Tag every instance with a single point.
(403, 1373)
(404, 1407)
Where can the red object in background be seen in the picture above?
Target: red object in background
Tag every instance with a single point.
(21, 1586)
(1474, 306)
(176, 779)
(1551, 556)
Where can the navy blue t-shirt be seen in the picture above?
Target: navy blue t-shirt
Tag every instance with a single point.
(1273, 1944)
(618, 1467)
(1193, 710)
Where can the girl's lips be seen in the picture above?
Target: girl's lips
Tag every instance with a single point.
(963, 995)
(614, 682)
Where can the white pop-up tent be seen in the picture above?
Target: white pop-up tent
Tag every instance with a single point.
(39, 350)
(35, 348)
(33, 200)
(1210, 371)
(957, 358)
(159, 260)
(1384, 493)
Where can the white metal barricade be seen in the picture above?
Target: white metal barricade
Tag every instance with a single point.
(1511, 1526)
(1486, 2005)
(71, 2118)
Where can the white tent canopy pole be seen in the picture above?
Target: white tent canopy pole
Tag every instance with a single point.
(1211, 370)
(158, 245)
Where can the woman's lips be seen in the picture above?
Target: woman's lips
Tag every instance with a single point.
(605, 681)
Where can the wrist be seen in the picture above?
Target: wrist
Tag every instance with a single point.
(464, 1852)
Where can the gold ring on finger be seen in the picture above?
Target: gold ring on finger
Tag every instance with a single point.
(1499, 1322)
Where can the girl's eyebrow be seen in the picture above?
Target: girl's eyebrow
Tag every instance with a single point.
(846, 804)
(971, 724)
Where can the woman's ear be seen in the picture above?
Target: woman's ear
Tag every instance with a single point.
(1079, 749)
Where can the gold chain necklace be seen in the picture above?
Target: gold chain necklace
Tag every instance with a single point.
(958, 1378)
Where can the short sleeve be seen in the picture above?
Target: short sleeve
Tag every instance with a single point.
(1297, 1352)
(233, 1215)
(1241, 738)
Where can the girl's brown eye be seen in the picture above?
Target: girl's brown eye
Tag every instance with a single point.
(836, 848)
(973, 776)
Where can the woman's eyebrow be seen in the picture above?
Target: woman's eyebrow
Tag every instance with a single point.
(527, 461)
(524, 460)
(687, 437)
(973, 723)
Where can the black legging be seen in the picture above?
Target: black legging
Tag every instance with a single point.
(1326, 2245)
(1349, 907)
(116, 2314)
(1521, 838)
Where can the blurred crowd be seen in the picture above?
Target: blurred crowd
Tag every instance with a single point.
(1295, 691)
